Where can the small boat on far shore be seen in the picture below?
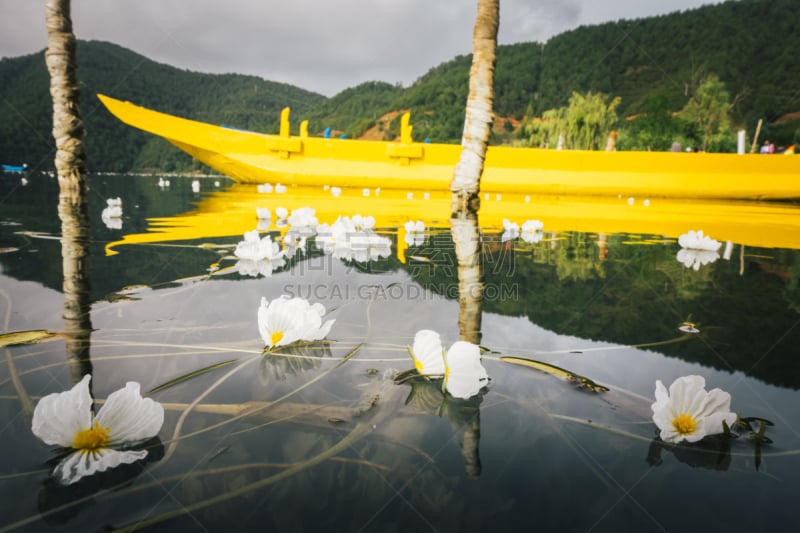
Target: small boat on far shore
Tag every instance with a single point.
(15, 169)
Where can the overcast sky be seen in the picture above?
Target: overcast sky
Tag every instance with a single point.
(320, 45)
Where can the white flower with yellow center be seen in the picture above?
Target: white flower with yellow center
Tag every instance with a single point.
(99, 441)
(286, 320)
(688, 412)
(427, 353)
(464, 374)
(510, 230)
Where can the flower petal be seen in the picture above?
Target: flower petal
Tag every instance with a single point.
(465, 375)
(82, 463)
(427, 353)
(58, 417)
(129, 417)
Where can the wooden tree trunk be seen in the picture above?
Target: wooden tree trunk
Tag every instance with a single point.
(479, 115)
(70, 163)
(70, 160)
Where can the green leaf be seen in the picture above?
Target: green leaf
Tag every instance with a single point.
(25, 337)
(187, 377)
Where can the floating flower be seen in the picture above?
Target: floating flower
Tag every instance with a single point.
(303, 219)
(353, 238)
(99, 441)
(114, 208)
(258, 255)
(688, 412)
(286, 320)
(427, 353)
(531, 231)
(696, 258)
(464, 375)
(695, 240)
(262, 213)
(415, 232)
(510, 230)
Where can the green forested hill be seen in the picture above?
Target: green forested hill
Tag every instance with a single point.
(26, 113)
(654, 65)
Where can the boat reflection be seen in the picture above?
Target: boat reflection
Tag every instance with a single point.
(233, 212)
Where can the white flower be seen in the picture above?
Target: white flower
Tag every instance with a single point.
(696, 258)
(102, 441)
(255, 248)
(464, 374)
(531, 230)
(695, 240)
(415, 233)
(264, 188)
(427, 353)
(353, 239)
(336, 191)
(303, 218)
(262, 213)
(112, 211)
(690, 413)
(510, 230)
(286, 320)
(280, 189)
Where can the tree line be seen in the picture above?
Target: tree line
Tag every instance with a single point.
(662, 74)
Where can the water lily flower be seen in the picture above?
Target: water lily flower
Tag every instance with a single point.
(303, 219)
(415, 232)
(464, 374)
(427, 353)
(696, 258)
(255, 248)
(531, 230)
(286, 320)
(353, 238)
(695, 240)
(688, 412)
(262, 213)
(510, 230)
(99, 441)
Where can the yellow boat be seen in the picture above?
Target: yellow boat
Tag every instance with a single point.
(250, 157)
(232, 212)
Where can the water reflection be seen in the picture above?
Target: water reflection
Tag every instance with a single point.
(75, 244)
(292, 441)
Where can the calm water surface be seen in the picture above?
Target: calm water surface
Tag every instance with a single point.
(342, 450)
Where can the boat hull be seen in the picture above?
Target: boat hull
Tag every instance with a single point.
(250, 157)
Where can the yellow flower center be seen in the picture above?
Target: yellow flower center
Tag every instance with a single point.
(276, 337)
(684, 424)
(91, 439)
(418, 365)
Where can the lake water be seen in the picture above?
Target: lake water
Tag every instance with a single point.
(315, 438)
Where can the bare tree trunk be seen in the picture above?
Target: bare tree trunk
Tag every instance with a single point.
(467, 241)
(67, 124)
(70, 163)
(479, 115)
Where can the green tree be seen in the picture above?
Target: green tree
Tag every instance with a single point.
(708, 109)
(589, 120)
